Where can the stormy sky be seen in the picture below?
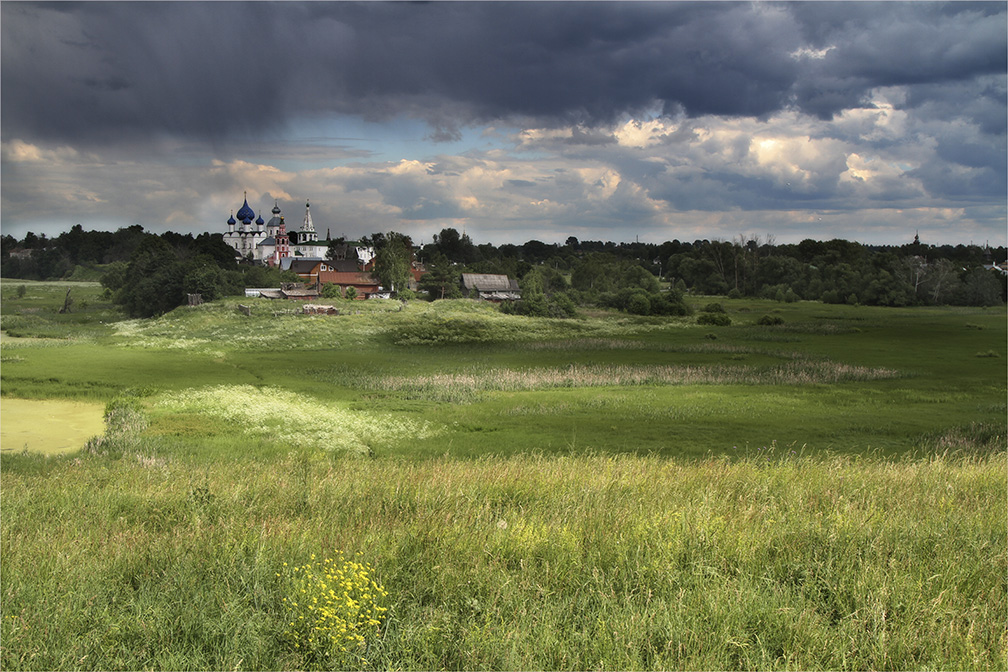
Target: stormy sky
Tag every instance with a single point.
(513, 121)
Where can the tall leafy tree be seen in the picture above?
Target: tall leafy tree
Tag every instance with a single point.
(442, 278)
(392, 261)
(206, 278)
(154, 280)
(337, 249)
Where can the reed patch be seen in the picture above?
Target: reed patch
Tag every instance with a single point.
(463, 387)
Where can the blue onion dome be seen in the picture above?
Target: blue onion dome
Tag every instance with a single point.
(245, 213)
(231, 219)
(259, 220)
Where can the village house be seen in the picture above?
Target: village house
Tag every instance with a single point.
(345, 273)
(491, 287)
(365, 284)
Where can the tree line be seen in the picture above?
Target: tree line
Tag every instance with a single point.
(144, 273)
(149, 274)
(833, 271)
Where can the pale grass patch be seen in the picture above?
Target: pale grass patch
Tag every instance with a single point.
(208, 330)
(293, 419)
(8, 342)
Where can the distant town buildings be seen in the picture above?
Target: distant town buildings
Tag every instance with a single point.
(270, 243)
(325, 262)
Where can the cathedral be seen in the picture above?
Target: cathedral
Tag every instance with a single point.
(270, 242)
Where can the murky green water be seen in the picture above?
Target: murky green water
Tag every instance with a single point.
(48, 426)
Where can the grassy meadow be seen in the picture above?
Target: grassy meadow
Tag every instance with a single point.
(608, 491)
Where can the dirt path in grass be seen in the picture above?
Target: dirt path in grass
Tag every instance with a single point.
(48, 426)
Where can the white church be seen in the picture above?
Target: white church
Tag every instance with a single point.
(270, 242)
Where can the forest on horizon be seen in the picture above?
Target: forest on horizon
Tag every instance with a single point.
(560, 277)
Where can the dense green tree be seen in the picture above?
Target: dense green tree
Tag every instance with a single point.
(639, 304)
(392, 262)
(154, 280)
(455, 247)
(536, 251)
(212, 246)
(533, 297)
(639, 277)
(595, 272)
(441, 281)
(7, 244)
(115, 276)
(337, 249)
(31, 241)
(262, 276)
(981, 288)
(204, 277)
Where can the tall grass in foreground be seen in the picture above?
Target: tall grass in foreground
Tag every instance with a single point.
(776, 561)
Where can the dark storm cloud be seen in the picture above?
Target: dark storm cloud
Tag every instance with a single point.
(889, 44)
(130, 71)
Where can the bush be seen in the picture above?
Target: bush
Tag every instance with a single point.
(670, 303)
(735, 293)
(830, 296)
(639, 304)
(330, 291)
(713, 308)
(351, 293)
(715, 319)
(770, 320)
(204, 279)
(439, 330)
(561, 305)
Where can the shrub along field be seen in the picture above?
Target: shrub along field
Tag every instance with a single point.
(454, 487)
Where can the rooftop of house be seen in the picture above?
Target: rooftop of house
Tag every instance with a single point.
(343, 265)
(352, 278)
(488, 282)
(299, 293)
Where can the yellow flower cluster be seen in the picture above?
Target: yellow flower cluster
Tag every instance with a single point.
(333, 607)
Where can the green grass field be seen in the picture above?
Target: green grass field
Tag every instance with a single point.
(602, 492)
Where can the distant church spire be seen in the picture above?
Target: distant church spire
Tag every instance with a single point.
(307, 233)
(307, 225)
